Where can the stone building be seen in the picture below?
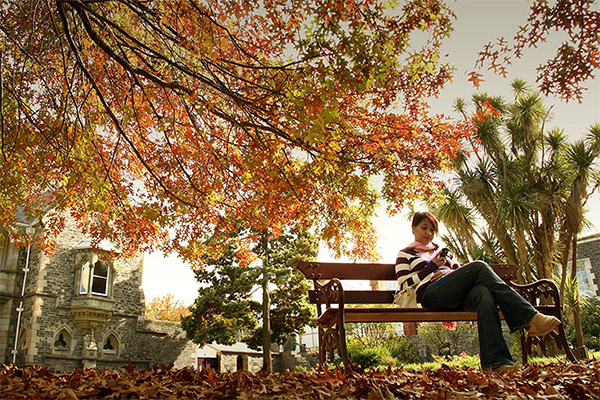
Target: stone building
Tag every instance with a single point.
(588, 265)
(82, 306)
(232, 358)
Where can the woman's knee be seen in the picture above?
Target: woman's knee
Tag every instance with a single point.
(480, 268)
(480, 264)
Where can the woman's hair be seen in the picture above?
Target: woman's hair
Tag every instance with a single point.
(421, 215)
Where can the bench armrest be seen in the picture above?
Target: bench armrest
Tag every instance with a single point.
(329, 293)
(539, 293)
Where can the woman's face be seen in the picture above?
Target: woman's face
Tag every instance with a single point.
(424, 232)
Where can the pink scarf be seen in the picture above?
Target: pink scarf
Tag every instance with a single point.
(422, 246)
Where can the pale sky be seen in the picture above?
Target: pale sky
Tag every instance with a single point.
(478, 22)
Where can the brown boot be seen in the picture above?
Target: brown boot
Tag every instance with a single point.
(541, 325)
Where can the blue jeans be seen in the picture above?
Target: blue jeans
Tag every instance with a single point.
(475, 287)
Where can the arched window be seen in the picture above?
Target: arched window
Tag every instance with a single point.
(4, 243)
(94, 278)
(62, 341)
(110, 346)
(94, 272)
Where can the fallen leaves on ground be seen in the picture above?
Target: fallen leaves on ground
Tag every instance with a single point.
(559, 380)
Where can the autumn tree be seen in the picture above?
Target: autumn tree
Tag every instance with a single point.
(149, 120)
(228, 308)
(166, 308)
(577, 59)
(154, 122)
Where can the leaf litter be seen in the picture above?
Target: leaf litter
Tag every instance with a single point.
(552, 381)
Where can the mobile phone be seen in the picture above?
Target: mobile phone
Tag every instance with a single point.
(444, 252)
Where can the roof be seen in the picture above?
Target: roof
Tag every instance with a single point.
(238, 348)
(588, 238)
(103, 245)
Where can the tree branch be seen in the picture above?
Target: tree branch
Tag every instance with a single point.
(111, 113)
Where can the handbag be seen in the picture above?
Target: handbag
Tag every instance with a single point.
(406, 298)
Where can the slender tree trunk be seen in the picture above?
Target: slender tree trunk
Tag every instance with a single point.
(576, 308)
(266, 309)
(267, 361)
(565, 241)
(523, 256)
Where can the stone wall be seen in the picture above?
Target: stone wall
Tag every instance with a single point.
(11, 280)
(250, 362)
(166, 342)
(292, 360)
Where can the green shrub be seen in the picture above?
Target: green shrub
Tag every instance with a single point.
(386, 360)
(368, 356)
(379, 344)
(443, 342)
(403, 350)
(590, 323)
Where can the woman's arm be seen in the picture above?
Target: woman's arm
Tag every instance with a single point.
(410, 264)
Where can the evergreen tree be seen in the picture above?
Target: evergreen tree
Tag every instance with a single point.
(227, 311)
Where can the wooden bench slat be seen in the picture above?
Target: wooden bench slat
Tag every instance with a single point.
(360, 296)
(410, 317)
(363, 271)
(354, 314)
(376, 272)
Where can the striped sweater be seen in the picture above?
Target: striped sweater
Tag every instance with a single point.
(414, 268)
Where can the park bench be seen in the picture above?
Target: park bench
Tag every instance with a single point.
(331, 300)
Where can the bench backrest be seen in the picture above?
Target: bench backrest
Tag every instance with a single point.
(317, 271)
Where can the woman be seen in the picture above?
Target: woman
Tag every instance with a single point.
(442, 282)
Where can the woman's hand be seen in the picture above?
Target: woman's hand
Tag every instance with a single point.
(437, 275)
(439, 261)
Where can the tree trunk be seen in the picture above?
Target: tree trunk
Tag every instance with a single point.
(576, 309)
(522, 254)
(565, 240)
(266, 307)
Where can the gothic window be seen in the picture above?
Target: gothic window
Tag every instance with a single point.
(585, 278)
(4, 243)
(62, 341)
(110, 346)
(93, 274)
(94, 278)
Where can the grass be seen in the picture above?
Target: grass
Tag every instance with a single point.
(465, 361)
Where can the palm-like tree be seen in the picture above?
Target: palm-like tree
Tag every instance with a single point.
(515, 177)
(528, 185)
(515, 205)
(580, 158)
(459, 218)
